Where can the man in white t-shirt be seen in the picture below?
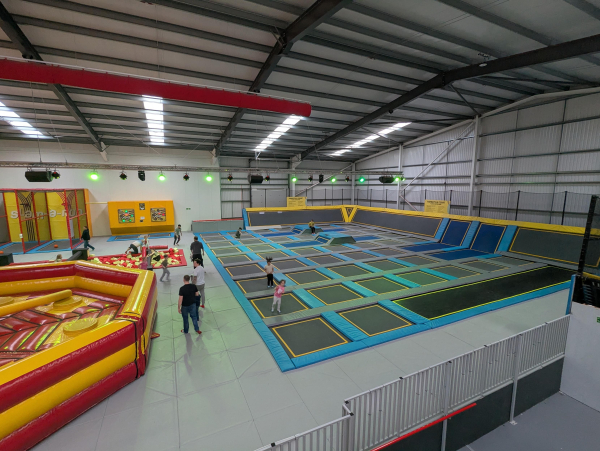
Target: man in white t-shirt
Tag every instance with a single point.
(198, 280)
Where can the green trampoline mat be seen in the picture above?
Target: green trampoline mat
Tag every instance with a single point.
(508, 261)
(385, 265)
(374, 319)
(381, 285)
(416, 260)
(306, 337)
(420, 277)
(225, 251)
(455, 271)
(311, 276)
(261, 248)
(483, 265)
(358, 255)
(389, 251)
(349, 270)
(334, 294)
(289, 304)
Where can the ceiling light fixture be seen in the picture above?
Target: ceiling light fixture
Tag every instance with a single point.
(186, 177)
(55, 174)
(209, 177)
(370, 138)
(230, 177)
(94, 175)
(161, 177)
(267, 178)
(155, 119)
(123, 176)
(287, 124)
(17, 122)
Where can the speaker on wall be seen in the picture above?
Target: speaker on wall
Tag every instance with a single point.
(38, 176)
(386, 179)
(255, 178)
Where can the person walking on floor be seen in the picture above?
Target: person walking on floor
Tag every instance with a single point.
(85, 236)
(197, 250)
(277, 296)
(198, 280)
(311, 224)
(177, 237)
(269, 268)
(187, 305)
(166, 272)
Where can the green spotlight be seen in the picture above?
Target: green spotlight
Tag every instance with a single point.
(162, 177)
(94, 176)
(294, 179)
(333, 179)
(209, 178)
(361, 180)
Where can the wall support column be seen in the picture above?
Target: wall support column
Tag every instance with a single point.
(474, 164)
(400, 149)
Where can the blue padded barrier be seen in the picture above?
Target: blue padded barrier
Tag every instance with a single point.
(288, 282)
(488, 238)
(327, 354)
(301, 244)
(262, 264)
(320, 248)
(471, 234)
(329, 273)
(456, 232)
(252, 256)
(358, 289)
(307, 298)
(277, 351)
(570, 300)
(244, 249)
(277, 234)
(295, 238)
(395, 334)
(373, 253)
(306, 261)
(368, 267)
(344, 326)
(402, 262)
(443, 321)
(401, 281)
(433, 272)
(352, 246)
(245, 216)
(279, 247)
(274, 230)
(343, 257)
(404, 313)
(509, 234)
(288, 252)
(234, 241)
(441, 229)
(366, 238)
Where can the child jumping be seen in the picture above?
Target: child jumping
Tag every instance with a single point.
(165, 272)
(269, 268)
(277, 296)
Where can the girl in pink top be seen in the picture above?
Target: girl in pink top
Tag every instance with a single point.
(277, 296)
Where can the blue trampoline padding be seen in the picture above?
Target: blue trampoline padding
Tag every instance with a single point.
(497, 305)
(402, 262)
(295, 238)
(368, 267)
(301, 227)
(456, 255)
(288, 282)
(306, 261)
(352, 246)
(400, 280)
(404, 313)
(274, 230)
(245, 216)
(301, 244)
(277, 351)
(307, 298)
(343, 257)
(234, 241)
(262, 264)
(244, 249)
(366, 238)
(329, 273)
(570, 299)
(288, 252)
(426, 247)
(433, 272)
(279, 247)
(395, 334)
(470, 234)
(358, 289)
(456, 233)
(322, 249)
(252, 256)
(344, 326)
(373, 253)
(327, 354)
(276, 234)
(441, 229)
(488, 238)
(509, 234)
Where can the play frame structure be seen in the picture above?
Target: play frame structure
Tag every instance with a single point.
(42, 219)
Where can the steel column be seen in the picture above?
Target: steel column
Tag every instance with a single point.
(474, 163)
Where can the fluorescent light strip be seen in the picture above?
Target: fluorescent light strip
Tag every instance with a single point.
(20, 124)
(370, 138)
(156, 125)
(287, 124)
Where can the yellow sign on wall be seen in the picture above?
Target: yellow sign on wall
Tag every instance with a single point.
(437, 206)
(296, 202)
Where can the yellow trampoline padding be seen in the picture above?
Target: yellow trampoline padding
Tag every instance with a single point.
(29, 286)
(32, 408)
(100, 286)
(136, 301)
(23, 366)
(36, 302)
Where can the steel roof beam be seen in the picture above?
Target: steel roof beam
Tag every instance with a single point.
(586, 7)
(571, 49)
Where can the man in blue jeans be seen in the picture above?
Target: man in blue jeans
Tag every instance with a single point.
(85, 236)
(187, 304)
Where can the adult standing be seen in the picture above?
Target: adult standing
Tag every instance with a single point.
(187, 305)
(198, 280)
(197, 250)
(177, 237)
(85, 236)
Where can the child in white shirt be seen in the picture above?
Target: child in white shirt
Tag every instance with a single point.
(269, 268)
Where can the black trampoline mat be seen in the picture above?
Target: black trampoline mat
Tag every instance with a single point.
(279, 239)
(13, 247)
(214, 238)
(289, 304)
(385, 265)
(226, 250)
(389, 251)
(325, 259)
(63, 245)
(252, 285)
(408, 239)
(349, 270)
(243, 270)
(416, 260)
(310, 276)
(358, 255)
(250, 241)
(457, 299)
(306, 337)
(234, 259)
(455, 271)
(381, 285)
(261, 247)
(375, 320)
(390, 242)
(339, 248)
(334, 294)
(272, 254)
(508, 261)
(364, 245)
(218, 244)
(483, 265)
(420, 277)
(305, 250)
(287, 264)
(211, 235)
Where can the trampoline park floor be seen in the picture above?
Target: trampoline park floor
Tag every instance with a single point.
(230, 366)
